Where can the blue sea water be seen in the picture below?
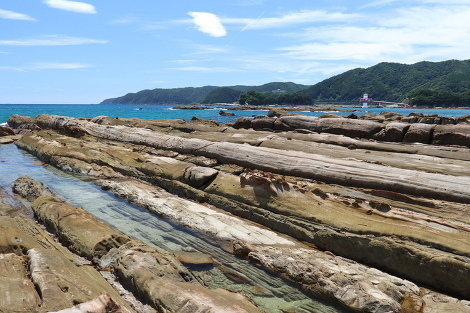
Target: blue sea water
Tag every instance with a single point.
(167, 111)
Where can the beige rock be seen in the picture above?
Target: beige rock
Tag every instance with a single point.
(360, 288)
(102, 304)
(17, 292)
(286, 162)
(160, 279)
(205, 219)
(83, 232)
(61, 283)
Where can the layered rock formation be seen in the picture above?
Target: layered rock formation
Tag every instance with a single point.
(395, 130)
(154, 275)
(39, 275)
(396, 207)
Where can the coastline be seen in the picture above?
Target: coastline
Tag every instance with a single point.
(350, 167)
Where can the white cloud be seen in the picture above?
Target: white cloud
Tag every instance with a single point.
(205, 49)
(208, 23)
(59, 66)
(202, 69)
(380, 3)
(251, 2)
(47, 66)
(74, 6)
(293, 18)
(15, 16)
(405, 35)
(51, 40)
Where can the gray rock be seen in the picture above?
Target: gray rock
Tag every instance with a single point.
(393, 132)
(30, 189)
(242, 122)
(421, 133)
(458, 135)
(197, 176)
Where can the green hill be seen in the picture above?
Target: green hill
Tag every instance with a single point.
(188, 95)
(222, 95)
(394, 81)
(194, 95)
(444, 83)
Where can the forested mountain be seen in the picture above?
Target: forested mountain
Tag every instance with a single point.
(188, 95)
(444, 83)
(394, 81)
(193, 95)
(275, 86)
(222, 95)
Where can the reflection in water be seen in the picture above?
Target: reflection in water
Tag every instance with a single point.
(269, 292)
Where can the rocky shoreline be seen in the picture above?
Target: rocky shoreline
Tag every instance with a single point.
(338, 206)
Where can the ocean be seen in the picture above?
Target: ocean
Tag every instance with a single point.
(167, 111)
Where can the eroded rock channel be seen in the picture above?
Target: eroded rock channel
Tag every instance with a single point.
(367, 226)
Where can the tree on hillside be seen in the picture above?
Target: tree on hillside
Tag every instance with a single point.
(222, 95)
(429, 97)
(255, 98)
(297, 98)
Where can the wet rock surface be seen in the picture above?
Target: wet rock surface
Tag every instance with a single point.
(156, 276)
(367, 208)
(40, 275)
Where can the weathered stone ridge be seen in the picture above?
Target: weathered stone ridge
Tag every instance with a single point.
(446, 134)
(156, 276)
(39, 275)
(370, 205)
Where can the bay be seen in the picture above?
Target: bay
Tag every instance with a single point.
(168, 111)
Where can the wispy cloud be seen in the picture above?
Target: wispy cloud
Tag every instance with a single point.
(208, 23)
(293, 18)
(251, 2)
(51, 40)
(47, 66)
(202, 69)
(380, 3)
(405, 35)
(74, 6)
(15, 16)
(60, 66)
(207, 49)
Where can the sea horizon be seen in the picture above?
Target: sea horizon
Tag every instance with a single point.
(158, 111)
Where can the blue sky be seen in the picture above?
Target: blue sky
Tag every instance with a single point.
(59, 51)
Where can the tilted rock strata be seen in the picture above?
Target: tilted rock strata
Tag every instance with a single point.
(137, 265)
(77, 228)
(157, 276)
(130, 162)
(356, 128)
(283, 162)
(354, 285)
(160, 279)
(39, 275)
(204, 219)
(347, 282)
(192, 129)
(17, 292)
(102, 304)
(265, 199)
